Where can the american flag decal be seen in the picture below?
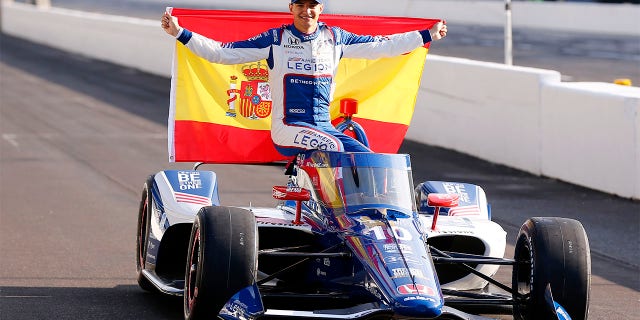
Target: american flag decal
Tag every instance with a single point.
(190, 198)
(465, 211)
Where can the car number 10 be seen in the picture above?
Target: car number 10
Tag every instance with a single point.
(400, 233)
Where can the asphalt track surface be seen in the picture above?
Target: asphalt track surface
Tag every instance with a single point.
(79, 137)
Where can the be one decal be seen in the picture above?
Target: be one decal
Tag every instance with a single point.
(457, 188)
(189, 180)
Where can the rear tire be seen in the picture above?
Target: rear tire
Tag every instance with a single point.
(551, 251)
(221, 260)
(142, 238)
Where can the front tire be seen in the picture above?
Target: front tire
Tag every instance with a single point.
(142, 237)
(221, 260)
(551, 251)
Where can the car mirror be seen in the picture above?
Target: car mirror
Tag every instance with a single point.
(443, 200)
(293, 193)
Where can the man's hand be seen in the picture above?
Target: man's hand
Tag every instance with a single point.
(170, 24)
(438, 31)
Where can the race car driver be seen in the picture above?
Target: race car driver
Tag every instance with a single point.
(303, 60)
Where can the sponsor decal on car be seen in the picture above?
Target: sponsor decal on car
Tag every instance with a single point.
(277, 194)
(416, 289)
(191, 198)
(397, 248)
(465, 211)
(423, 298)
(189, 180)
(278, 222)
(400, 259)
(457, 188)
(237, 308)
(406, 273)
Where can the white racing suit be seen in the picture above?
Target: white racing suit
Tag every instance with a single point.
(301, 71)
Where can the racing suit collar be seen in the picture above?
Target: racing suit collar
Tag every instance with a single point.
(304, 36)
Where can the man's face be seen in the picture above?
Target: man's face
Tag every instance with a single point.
(306, 14)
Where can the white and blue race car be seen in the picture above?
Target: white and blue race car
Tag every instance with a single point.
(353, 239)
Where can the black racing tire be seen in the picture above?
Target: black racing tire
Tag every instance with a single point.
(221, 260)
(552, 251)
(142, 237)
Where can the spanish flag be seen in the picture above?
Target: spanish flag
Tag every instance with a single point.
(213, 120)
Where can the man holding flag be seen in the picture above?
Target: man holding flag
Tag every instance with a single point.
(303, 60)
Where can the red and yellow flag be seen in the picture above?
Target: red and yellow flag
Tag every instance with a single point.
(212, 121)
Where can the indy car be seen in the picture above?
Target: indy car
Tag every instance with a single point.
(352, 238)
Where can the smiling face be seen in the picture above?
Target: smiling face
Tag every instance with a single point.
(305, 15)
